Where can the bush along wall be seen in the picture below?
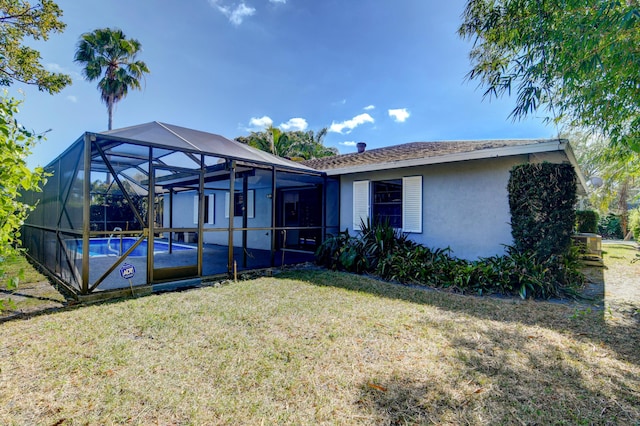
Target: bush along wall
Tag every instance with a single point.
(587, 221)
(387, 253)
(541, 199)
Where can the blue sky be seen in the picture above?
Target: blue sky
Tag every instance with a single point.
(380, 71)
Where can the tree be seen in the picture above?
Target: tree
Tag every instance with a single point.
(15, 177)
(312, 144)
(272, 140)
(19, 63)
(295, 145)
(577, 58)
(613, 171)
(107, 53)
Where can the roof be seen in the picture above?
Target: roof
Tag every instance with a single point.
(173, 137)
(442, 151)
(424, 153)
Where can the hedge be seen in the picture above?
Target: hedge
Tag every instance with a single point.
(541, 199)
(587, 221)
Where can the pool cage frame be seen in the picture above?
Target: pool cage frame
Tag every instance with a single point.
(156, 172)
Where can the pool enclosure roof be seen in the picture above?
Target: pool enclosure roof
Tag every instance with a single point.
(128, 147)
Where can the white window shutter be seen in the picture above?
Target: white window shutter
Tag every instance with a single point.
(212, 209)
(412, 204)
(226, 205)
(195, 208)
(360, 203)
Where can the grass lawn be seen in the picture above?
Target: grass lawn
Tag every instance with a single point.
(309, 347)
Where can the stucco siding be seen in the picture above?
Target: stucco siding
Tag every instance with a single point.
(183, 217)
(465, 204)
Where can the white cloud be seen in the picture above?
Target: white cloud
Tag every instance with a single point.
(235, 13)
(239, 13)
(295, 124)
(72, 98)
(257, 124)
(369, 107)
(400, 115)
(348, 143)
(348, 125)
(278, 1)
(53, 67)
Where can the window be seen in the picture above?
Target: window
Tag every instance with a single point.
(387, 202)
(239, 204)
(397, 200)
(209, 209)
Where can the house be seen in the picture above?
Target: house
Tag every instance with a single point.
(158, 206)
(443, 194)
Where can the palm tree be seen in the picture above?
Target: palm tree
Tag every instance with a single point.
(273, 140)
(313, 144)
(107, 53)
(295, 145)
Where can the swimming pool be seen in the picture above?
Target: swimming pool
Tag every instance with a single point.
(111, 247)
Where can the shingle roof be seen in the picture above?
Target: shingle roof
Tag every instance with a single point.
(416, 150)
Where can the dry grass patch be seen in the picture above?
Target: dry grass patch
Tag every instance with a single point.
(34, 293)
(313, 347)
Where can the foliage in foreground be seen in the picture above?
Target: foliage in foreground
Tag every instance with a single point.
(577, 59)
(20, 63)
(15, 177)
(384, 251)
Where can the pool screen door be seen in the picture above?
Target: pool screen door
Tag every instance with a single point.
(175, 212)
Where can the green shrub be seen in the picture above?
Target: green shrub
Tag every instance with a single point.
(386, 252)
(634, 223)
(587, 221)
(541, 201)
(342, 252)
(418, 264)
(610, 227)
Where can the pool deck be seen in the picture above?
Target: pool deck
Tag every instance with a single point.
(214, 263)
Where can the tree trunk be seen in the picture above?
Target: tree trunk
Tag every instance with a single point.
(110, 112)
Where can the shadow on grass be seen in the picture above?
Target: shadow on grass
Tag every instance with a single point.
(46, 307)
(582, 321)
(483, 382)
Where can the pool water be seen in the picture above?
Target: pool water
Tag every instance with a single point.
(111, 247)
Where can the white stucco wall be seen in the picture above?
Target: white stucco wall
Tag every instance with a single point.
(465, 204)
(183, 218)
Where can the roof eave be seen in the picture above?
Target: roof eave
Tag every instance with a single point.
(582, 187)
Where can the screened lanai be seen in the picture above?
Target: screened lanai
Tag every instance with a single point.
(157, 206)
